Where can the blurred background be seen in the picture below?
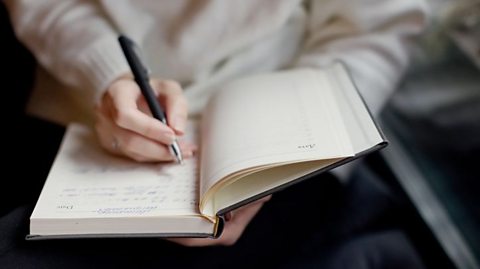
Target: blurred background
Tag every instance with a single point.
(432, 123)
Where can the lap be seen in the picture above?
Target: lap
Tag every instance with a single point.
(319, 221)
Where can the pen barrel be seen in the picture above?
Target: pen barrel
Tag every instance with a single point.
(151, 98)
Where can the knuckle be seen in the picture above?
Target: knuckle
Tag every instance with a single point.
(170, 87)
(114, 88)
(129, 145)
(121, 118)
(182, 102)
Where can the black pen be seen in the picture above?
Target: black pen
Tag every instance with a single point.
(140, 74)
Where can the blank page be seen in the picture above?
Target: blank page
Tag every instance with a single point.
(284, 117)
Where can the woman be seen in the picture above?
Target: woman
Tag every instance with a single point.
(193, 47)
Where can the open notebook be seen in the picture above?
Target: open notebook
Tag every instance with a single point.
(258, 135)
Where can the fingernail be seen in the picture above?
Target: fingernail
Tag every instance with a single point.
(179, 124)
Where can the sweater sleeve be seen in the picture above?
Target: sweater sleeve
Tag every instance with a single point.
(371, 37)
(71, 38)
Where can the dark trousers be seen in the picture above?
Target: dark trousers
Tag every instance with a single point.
(319, 223)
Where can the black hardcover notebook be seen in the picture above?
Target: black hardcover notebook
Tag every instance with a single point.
(258, 135)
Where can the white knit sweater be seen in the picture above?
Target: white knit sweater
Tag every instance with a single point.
(203, 44)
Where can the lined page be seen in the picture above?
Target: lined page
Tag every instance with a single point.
(87, 182)
(284, 117)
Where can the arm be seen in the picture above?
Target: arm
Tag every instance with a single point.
(74, 40)
(371, 37)
(71, 39)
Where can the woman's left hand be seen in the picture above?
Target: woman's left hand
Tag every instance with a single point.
(235, 224)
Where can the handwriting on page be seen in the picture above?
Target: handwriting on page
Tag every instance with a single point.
(307, 146)
(128, 199)
(94, 183)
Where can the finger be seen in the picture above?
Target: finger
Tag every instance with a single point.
(171, 95)
(111, 138)
(194, 242)
(124, 142)
(145, 150)
(236, 226)
(127, 115)
(244, 214)
(263, 199)
(232, 230)
(188, 149)
(141, 148)
(230, 215)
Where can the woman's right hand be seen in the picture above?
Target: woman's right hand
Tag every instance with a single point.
(126, 127)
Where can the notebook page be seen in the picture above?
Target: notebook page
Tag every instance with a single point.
(284, 117)
(87, 182)
(363, 132)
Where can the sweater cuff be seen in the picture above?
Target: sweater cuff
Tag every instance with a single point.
(102, 63)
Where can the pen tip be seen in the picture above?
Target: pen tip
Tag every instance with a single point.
(175, 149)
